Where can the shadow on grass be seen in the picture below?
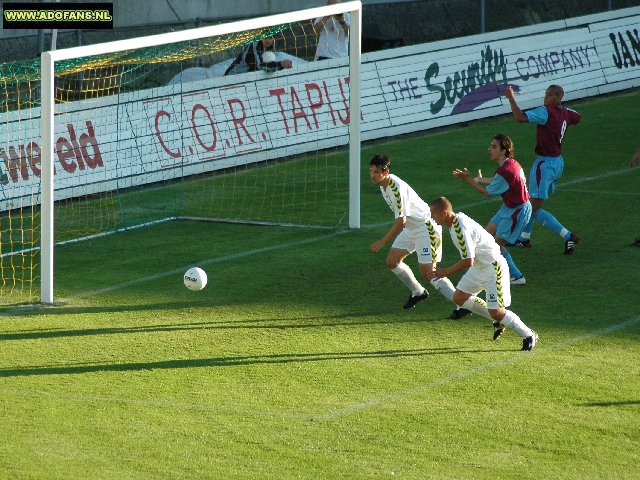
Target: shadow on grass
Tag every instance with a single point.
(267, 323)
(28, 310)
(611, 404)
(228, 361)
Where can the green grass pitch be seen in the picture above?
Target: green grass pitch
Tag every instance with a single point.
(297, 360)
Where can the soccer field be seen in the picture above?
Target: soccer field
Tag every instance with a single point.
(298, 361)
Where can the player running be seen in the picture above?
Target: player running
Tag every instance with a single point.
(485, 269)
(413, 230)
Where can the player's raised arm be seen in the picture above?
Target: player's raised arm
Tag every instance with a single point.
(518, 114)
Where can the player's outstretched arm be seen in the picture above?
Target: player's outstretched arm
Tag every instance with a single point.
(518, 114)
(391, 234)
(483, 180)
(466, 176)
(441, 272)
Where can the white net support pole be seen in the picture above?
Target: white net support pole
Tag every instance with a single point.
(47, 178)
(355, 39)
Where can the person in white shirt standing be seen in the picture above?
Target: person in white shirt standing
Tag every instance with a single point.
(333, 35)
(486, 269)
(413, 230)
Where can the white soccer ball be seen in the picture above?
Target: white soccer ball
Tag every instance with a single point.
(268, 57)
(195, 279)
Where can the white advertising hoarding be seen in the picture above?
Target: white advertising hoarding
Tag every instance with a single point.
(209, 124)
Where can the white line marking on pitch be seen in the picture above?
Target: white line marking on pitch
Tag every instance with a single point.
(596, 177)
(600, 192)
(520, 356)
(181, 270)
(234, 256)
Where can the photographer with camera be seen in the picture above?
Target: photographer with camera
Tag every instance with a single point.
(333, 35)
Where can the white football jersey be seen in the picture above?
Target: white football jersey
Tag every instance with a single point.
(473, 241)
(405, 202)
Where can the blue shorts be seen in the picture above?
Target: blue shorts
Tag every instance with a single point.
(545, 171)
(511, 221)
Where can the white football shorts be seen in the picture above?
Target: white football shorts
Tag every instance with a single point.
(422, 245)
(493, 279)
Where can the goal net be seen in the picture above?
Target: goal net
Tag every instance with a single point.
(234, 122)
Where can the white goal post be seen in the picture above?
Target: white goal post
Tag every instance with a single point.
(50, 59)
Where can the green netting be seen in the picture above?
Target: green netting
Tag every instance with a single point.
(307, 188)
(174, 52)
(17, 79)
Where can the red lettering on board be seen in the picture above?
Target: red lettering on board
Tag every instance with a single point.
(194, 110)
(89, 139)
(65, 151)
(27, 158)
(279, 92)
(164, 113)
(16, 162)
(345, 121)
(76, 147)
(314, 105)
(33, 153)
(239, 121)
(299, 113)
(326, 95)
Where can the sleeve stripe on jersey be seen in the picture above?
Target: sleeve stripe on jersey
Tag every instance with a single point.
(434, 241)
(460, 236)
(396, 193)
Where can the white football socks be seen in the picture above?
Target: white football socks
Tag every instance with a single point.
(510, 319)
(479, 306)
(444, 286)
(405, 275)
(513, 322)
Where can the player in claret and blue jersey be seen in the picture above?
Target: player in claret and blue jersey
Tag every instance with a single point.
(510, 182)
(552, 122)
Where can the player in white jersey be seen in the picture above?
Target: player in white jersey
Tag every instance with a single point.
(486, 270)
(412, 231)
